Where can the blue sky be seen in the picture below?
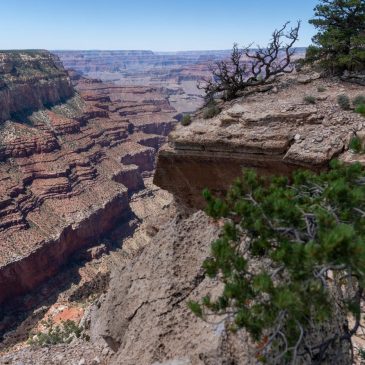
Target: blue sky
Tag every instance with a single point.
(158, 25)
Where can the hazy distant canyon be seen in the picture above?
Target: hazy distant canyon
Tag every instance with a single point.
(177, 73)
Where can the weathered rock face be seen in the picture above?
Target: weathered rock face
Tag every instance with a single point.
(147, 108)
(66, 171)
(357, 78)
(273, 132)
(144, 318)
(29, 80)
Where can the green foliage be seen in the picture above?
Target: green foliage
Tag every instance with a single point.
(344, 102)
(358, 100)
(321, 89)
(309, 99)
(287, 247)
(355, 144)
(339, 43)
(362, 354)
(312, 54)
(360, 109)
(195, 308)
(211, 112)
(56, 334)
(186, 120)
(211, 109)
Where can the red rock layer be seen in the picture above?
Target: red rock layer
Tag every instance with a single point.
(66, 173)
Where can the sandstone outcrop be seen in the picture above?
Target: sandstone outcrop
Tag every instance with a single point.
(273, 132)
(66, 170)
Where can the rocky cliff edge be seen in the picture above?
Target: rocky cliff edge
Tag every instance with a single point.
(273, 131)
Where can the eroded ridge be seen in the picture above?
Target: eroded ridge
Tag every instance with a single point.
(67, 171)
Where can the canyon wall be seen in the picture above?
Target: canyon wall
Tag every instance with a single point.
(29, 80)
(69, 161)
(144, 318)
(86, 62)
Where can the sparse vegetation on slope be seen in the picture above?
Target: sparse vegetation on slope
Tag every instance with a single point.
(291, 257)
(358, 100)
(186, 120)
(309, 99)
(211, 110)
(355, 145)
(360, 109)
(344, 102)
(55, 334)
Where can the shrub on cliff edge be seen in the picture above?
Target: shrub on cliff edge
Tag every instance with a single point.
(211, 109)
(186, 120)
(291, 257)
(355, 144)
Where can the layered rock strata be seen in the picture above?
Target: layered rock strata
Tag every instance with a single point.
(67, 171)
(144, 316)
(29, 80)
(273, 132)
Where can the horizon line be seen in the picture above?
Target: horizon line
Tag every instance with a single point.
(122, 50)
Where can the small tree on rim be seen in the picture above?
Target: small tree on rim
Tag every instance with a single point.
(340, 42)
(248, 67)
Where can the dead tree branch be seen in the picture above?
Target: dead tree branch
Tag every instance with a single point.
(247, 67)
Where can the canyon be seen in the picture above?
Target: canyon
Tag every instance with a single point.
(82, 184)
(77, 157)
(176, 74)
(69, 161)
(143, 317)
